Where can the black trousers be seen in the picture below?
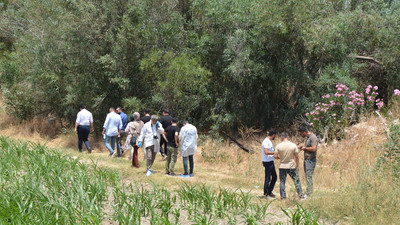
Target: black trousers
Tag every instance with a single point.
(270, 177)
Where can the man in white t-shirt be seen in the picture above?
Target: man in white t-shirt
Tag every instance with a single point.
(267, 157)
(83, 127)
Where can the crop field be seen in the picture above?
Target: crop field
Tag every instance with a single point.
(43, 186)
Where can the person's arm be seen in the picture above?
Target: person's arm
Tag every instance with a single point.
(91, 122)
(165, 138)
(76, 127)
(77, 122)
(105, 125)
(296, 159)
(91, 127)
(276, 155)
(177, 139)
(267, 150)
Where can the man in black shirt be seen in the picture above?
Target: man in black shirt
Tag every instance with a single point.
(146, 118)
(166, 121)
(171, 135)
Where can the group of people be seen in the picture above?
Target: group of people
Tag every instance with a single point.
(288, 154)
(154, 135)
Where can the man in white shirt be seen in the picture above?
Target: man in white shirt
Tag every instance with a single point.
(83, 127)
(288, 153)
(267, 158)
(150, 135)
(188, 142)
(111, 129)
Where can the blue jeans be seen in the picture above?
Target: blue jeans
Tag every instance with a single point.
(185, 164)
(83, 134)
(296, 180)
(309, 166)
(107, 144)
(119, 143)
(270, 177)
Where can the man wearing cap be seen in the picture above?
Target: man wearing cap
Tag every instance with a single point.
(150, 137)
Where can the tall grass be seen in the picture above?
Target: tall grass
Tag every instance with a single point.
(40, 186)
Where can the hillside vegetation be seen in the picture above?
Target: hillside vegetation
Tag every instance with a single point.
(219, 63)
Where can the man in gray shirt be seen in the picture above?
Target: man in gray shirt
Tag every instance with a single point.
(310, 155)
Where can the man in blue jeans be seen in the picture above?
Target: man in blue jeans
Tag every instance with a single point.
(111, 130)
(124, 119)
(188, 142)
(267, 158)
(310, 155)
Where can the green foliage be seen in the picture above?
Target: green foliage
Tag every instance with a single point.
(219, 63)
(391, 151)
(302, 216)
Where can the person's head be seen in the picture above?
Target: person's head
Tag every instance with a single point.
(146, 111)
(165, 112)
(119, 110)
(154, 119)
(272, 134)
(174, 121)
(136, 116)
(112, 109)
(82, 106)
(284, 136)
(185, 122)
(303, 131)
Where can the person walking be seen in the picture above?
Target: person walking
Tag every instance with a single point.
(166, 121)
(288, 154)
(267, 158)
(83, 127)
(172, 140)
(150, 137)
(133, 129)
(310, 155)
(188, 143)
(146, 118)
(124, 119)
(111, 130)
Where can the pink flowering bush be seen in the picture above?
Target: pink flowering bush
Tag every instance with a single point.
(337, 110)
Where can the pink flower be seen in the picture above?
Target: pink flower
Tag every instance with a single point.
(307, 114)
(350, 108)
(379, 104)
(396, 92)
(339, 121)
(376, 88)
(350, 103)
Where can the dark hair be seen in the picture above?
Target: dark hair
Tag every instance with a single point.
(119, 107)
(166, 111)
(147, 111)
(284, 135)
(185, 122)
(303, 129)
(272, 132)
(82, 106)
(174, 120)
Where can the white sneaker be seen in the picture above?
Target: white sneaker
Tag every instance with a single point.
(148, 173)
(112, 155)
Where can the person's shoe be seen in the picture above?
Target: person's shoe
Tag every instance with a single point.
(89, 150)
(172, 174)
(302, 198)
(148, 173)
(272, 195)
(152, 171)
(269, 197)
(262, 196)
(185, 175)
(112, 155)
(191, 175)
(123, 151)
(167, 173)
(80, 150)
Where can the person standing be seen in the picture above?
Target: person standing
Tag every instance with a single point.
(146, 118)
(124, 119)
(288, 154)
(111, 130)
(166, 121)
(267, 158)
(150, 136)
(188, 142)
(172, 140)
(310, 155)
(83, 127)
(133, 129)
